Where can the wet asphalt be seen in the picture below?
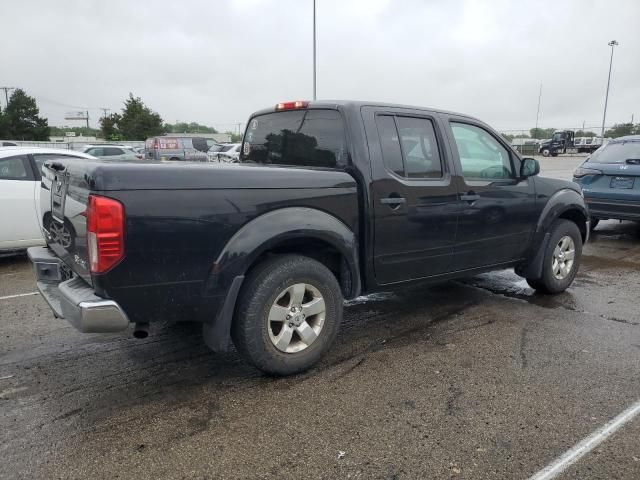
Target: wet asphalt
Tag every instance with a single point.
(473, 379)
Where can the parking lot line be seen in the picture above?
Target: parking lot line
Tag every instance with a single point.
(18, 295)
(585, 446)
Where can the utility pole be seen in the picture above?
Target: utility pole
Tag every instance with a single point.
(105, 112)
(6, 94)
(612, 44)
(314, 49)
(538, 112)
(87, 119)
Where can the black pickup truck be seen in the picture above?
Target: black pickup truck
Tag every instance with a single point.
(330, 200)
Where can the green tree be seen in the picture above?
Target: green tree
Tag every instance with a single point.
(192, 127)
(109, 127)
(4, 125)
(508, 137)
(137, 121)
(21, 120)
(235, 137)
(622, 129)
(79, 131)
(584, 133)
(541, 133)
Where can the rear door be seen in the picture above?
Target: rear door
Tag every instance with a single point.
(414, 195)
(497, 208)
(19, 227)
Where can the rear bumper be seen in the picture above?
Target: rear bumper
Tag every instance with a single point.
(617, 209)
(72, 299)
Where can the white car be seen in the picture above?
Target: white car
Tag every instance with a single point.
(20, 216)
(230, 155)
(113, 152)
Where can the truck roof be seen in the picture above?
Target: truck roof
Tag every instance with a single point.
(357, 104)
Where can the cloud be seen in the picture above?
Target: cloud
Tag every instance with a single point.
(216, 62)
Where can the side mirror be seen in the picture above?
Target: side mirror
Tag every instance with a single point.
(529, 167)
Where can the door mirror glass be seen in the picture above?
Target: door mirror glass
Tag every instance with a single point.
(529, 167)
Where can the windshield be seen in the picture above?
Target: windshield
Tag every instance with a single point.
(617, 152)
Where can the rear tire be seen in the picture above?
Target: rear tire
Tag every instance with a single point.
(546, 152)
(561, 258)
(291, 288)
(594, 223)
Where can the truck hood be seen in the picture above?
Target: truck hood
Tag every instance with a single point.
(111, 176)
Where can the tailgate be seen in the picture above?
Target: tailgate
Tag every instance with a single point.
(63, 200)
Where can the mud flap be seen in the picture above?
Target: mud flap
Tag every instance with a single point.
(533, 269)
(217, 334)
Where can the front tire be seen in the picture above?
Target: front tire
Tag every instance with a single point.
(289, 312)
(561, 258)
(594, 223)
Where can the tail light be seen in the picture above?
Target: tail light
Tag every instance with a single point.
(583, 172)
(292, 105)
(105, 233)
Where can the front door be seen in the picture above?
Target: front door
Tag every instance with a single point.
(413, 193)
(497, 208)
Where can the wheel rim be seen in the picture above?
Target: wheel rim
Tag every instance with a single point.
(563, 258)
(296, 318)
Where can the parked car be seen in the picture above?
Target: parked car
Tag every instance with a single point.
(330, 200)
(20, 214)
(5, 143)
(176, 148)
(214, 149)
(230, 154)
(610, 180)
(113, 152)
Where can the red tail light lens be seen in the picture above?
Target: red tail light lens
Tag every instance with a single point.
(291, 105)
(105, 233)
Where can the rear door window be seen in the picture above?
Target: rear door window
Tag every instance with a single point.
(15, 168)
(618, 152)
(112, 151)
(409, 146)
(96, 152)
(304, 138)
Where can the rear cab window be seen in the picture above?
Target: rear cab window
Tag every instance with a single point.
(299, 138)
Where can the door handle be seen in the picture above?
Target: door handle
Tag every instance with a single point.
(470, 197)
(397, 201)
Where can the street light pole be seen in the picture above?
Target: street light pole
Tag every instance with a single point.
(612, 44)
(538, 112)
(314, 49)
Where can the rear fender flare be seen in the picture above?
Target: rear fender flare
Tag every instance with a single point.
(259, 236)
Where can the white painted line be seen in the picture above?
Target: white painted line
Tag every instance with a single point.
(585, 446)
(18, 295)
(4, 394)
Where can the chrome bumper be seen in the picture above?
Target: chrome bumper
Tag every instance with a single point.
(73, 299)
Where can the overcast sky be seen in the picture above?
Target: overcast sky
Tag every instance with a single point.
(214, 62)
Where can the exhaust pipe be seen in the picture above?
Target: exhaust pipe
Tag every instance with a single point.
(141, 330)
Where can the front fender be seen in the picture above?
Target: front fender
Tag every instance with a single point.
(560, 203)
